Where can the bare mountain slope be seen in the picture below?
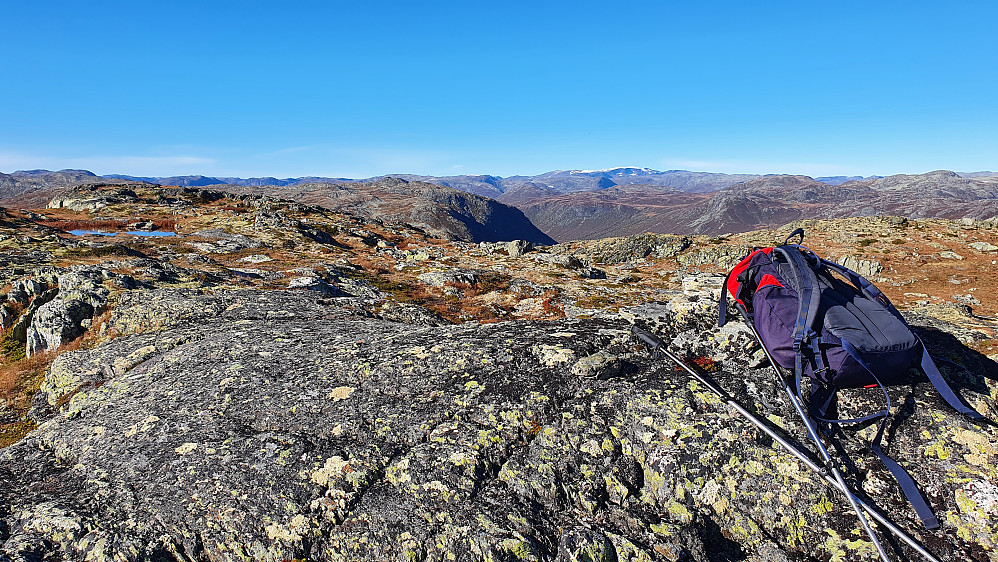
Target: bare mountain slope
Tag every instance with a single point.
(35, 188)
(443, 211)
(759, 203)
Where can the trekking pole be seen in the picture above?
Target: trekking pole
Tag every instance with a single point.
(812, 432)
(657, 346)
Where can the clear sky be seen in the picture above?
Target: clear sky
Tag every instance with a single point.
(360, 88)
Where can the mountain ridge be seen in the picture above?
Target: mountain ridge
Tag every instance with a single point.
(583, 204)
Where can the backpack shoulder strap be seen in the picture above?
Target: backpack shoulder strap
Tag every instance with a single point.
(805, 282)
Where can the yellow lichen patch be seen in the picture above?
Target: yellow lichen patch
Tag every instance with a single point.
(938, 450)
(981, 449)
(755, 468)
(341, 393)
(460, 458)
(398, 473)
(833, 545)
(290, 533)
(519, 549)
(680, 511)
(823, 506)
(143, 426)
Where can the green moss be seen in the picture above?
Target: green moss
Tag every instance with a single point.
(11, 433)
(518, 549)
(11, 350)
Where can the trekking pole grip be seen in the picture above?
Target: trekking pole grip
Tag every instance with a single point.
(654, 342)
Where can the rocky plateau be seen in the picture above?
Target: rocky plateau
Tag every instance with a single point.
(248, 377)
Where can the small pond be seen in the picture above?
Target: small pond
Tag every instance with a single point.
(154, 233)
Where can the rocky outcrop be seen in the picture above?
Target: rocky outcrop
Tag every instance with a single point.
(614, 251)
(35, 188)
(81, 295)
(442, 211)
(274, 426)
(92, 197)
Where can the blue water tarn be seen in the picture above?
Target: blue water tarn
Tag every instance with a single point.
(154, 233)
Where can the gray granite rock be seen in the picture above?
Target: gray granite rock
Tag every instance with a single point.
(278, 426)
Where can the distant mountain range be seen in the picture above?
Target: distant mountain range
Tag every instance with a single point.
(577, 204)
(560, 181)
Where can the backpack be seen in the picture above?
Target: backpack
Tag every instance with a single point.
(828, 323)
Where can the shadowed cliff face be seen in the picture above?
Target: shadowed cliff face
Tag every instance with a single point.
(279, 425)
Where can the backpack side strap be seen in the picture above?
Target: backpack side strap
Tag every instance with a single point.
(908, 486)
(944, 390)
(722, 302)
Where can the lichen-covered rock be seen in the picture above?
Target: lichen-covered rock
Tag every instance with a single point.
(723, 255)
(314, 284)
(590, 273)
(516, 248)
(81, 295)
(442, 278)
(92, 197)
(8, 315)
(567, 261)
(224, 242)
(279, 426)
(57, 322)
(866, 268)
(613, 251)
(985, 247)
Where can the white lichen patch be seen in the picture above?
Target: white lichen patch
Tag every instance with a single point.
(142, 426)
(186, 448)
(333, 468)
(553, 355)
(341, 393)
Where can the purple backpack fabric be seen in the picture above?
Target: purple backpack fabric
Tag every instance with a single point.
(853, 337)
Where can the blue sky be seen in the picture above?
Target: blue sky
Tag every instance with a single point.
(355, 89)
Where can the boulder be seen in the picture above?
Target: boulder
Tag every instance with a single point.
(725, 256)
(273, 426)
(451, 276)
(81, 295)
(57, 322)
(985, 247)
(640, 246)
(315, 284)
(866, 268)
(517, 248)
(590, 273)
(223, 242)
(93, 197)
(7, 316)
